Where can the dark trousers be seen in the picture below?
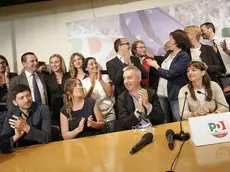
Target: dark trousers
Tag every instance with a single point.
(2, 119)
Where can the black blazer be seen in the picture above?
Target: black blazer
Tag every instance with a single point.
(209, 57)
(115, 70)
(55, 95)
(126, 109)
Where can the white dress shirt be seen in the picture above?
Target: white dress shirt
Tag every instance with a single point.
(29, 77)
(225, 57)
(163, 83)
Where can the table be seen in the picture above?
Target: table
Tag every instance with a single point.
(110, 153)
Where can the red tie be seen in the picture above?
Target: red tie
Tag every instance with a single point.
(145, 82)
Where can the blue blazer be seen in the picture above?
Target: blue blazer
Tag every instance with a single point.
(177, 74)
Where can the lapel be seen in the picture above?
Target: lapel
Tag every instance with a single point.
(24, 79)
(203, 54)
(129, 102)
(117, 61)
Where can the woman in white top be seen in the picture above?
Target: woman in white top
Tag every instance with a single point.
(204, 53)
(99, 87)
(201, 93)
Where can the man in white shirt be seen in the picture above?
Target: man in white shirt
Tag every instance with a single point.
(31, 78)
(208, 33)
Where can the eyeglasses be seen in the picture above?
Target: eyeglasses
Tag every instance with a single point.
(126, 43)
(3, 63)
(141, 47)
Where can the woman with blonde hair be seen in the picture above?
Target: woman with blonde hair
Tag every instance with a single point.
(203, 95)
(75, 67)
(80, 117)
(55, 85)
(204, 53)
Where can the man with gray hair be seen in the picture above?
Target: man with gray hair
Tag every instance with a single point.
(138, 107)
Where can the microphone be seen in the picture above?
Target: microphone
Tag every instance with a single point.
(182, 136)
(146, 139)
(199, 92)
(170, 137)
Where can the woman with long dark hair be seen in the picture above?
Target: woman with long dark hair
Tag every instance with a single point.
(80, 117)
(201, 91)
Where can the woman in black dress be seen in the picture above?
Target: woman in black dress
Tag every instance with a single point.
(80, 117)
(5, 76)
(55, 86)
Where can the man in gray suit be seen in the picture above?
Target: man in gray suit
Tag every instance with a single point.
(31, 78)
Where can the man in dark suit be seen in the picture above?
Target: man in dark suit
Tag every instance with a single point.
(31, 78)
(116, 65)
(138, 107)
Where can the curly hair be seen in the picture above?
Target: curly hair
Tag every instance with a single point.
(72, 68)
(68, 96)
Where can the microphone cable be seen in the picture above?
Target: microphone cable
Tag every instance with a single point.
(176, 158)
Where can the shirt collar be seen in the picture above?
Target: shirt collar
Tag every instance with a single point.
(120, 58)
(29, 74)
(32, 109)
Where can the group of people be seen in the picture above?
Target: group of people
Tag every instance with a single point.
(137, 90)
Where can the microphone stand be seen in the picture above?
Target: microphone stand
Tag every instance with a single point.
(199, 92)
(182, 136)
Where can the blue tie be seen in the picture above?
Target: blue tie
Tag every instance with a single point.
(37, 95)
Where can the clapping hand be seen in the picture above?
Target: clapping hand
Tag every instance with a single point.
(90, 121)
(81, 124)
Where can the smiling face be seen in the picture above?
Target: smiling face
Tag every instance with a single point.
(124, 46)
(77, 62)
(92, 66)
(206, 32)
(23, 100)
(195, 74)
(140, 49)
(2, 65)
(78, 89)
(55, 64)
(31, 63)
(131, 79)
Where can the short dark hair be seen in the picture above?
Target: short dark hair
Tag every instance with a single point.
(134, 46)
(117, 43)
(23, 58)
(181, 39)
(18, 89)
(85, 63)
(3, 58)
(209, 25)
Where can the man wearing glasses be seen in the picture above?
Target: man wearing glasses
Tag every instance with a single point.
(116, 65)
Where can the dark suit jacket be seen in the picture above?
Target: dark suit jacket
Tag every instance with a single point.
(177, 74)
(209, 57)
(126, 110)
(21, 79)
(115, 70)
(55, 95)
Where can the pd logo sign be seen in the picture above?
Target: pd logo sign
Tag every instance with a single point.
(218, 129)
